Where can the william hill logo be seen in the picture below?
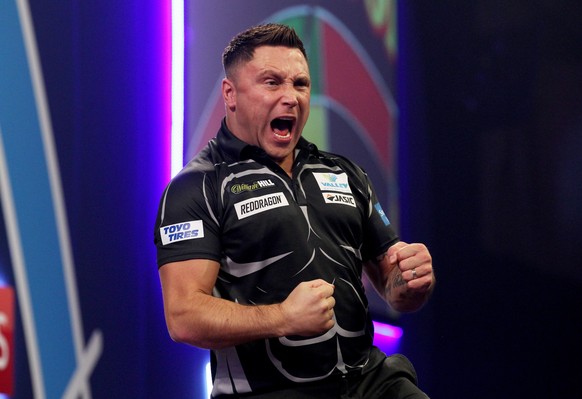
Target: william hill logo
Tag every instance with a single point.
(242, 187)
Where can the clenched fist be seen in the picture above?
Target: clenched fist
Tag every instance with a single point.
(308, 310)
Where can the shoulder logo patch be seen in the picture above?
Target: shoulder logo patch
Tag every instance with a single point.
(380, 211)
(181, 231)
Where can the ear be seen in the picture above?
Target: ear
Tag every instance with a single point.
(229, 94)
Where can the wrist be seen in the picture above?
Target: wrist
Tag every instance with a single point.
(279, 320)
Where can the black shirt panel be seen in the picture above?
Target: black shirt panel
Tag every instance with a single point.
(270, 232)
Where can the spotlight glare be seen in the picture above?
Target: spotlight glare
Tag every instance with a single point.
(177, 131)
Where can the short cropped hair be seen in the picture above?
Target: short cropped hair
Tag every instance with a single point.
(242, 47)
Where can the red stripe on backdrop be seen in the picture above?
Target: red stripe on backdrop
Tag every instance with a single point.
(348, 82)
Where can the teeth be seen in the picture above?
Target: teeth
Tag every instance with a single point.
(282, 126)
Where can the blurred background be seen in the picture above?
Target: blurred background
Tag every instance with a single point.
(467, 115)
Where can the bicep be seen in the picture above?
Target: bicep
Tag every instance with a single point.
(186, 289)
(181, 280)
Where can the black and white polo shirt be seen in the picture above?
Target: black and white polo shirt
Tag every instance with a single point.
(270, 232)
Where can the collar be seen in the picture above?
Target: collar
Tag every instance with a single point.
(238, 150)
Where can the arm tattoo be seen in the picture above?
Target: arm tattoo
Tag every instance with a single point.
(398, 281)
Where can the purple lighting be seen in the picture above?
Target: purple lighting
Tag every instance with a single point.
(177, 102)
(387, 337)
(166, 81)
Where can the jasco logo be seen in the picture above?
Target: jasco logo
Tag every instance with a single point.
(333, 182)
(339, 199)
(181, 231)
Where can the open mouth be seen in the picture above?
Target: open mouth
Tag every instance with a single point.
(282, 127)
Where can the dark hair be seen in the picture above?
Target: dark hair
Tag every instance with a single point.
(242, 47)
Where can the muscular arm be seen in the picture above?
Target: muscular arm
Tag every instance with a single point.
(195, 317)
(393, 278)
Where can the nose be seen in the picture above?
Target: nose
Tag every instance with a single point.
(289, 96)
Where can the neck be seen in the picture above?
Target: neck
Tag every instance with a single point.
(286, 164)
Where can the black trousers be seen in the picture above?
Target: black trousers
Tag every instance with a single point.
(395, 378)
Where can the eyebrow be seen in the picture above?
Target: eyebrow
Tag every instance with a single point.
(273, 72)
(269, 71)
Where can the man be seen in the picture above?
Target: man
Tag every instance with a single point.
(262, 240)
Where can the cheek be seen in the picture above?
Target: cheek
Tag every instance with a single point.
(305, 103)
(258, 103)
(306, 106)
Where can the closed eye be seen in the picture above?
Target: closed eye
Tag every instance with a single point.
(302, 82)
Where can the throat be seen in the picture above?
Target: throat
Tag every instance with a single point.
(282, 127)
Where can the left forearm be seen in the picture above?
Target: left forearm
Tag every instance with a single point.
(401, 297)
(403, 276)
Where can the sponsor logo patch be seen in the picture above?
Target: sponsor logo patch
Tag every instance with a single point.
(240, 188)
(256, 205)
(333, 182)
(381, 213)
(182, 231)
(333, 198)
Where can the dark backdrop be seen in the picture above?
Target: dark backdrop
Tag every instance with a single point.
(491, 123)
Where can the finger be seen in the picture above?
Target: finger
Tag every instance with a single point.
(408, 251)
(330, 323)
(419, 278)
(319, 283)
(394, 249)
(331, 302)
(421, 284)
(411, 274)
(413, 255)
(415, 273)
(325, 290)
(415, 268)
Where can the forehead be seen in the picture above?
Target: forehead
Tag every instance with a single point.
(279, 57)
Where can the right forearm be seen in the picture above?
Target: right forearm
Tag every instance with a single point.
(212, 323)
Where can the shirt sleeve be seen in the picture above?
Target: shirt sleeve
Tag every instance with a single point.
(186, 225)
(379, 233)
